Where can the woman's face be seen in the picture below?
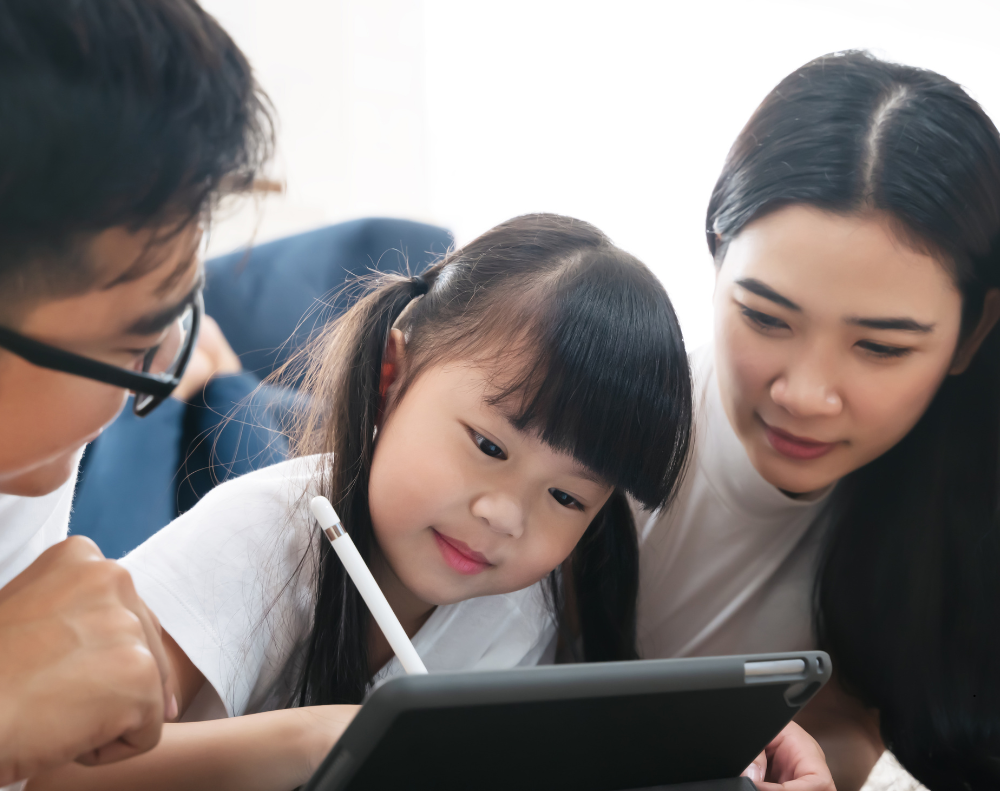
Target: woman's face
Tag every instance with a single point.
(831, 338)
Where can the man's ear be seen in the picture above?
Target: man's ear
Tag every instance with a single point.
(393, 360)
(967, 349)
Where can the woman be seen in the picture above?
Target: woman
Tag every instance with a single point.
(844, 486)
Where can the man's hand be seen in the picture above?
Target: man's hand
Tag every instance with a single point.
(83, 673)
(793, 761)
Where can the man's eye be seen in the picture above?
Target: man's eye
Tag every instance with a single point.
(565, 499)
(763, 320)
(491, 449)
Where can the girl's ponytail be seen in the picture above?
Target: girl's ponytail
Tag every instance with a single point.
(347, 381)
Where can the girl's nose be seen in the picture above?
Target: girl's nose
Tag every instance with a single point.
(803, 394)
(500, 513)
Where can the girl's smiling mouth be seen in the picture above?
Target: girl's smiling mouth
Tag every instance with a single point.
(460, 556)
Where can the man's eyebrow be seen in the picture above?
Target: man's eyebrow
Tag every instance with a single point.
(761, 289)
(156, 322)
(905, 324)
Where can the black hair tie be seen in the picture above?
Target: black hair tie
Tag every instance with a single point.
(419, 285)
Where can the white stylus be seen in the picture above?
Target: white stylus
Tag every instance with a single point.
(386, 619)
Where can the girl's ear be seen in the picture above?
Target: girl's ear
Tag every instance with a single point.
(967, 349)
(392, 366)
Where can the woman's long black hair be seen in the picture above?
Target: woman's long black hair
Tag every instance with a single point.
(587, 353)
(908, 591)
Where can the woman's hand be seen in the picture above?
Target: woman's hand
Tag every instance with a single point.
(793, 761)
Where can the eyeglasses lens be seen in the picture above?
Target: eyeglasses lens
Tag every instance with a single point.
(165, 358)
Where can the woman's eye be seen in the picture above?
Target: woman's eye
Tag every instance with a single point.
(883, 351)
(763, 320)
(491, 449)
(565, 499)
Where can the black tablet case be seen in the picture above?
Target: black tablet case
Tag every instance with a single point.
(591, 727)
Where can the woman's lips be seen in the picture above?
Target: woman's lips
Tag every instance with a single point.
(460, 556)
(798, 448)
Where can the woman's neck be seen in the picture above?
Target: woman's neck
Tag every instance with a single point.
(411, 611)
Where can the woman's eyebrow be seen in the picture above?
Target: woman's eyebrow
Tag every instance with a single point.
(905, 324)
(761, 289)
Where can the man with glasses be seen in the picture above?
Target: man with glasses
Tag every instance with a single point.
(123, 122)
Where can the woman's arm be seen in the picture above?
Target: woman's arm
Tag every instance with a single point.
(848, 733)
(273, 751)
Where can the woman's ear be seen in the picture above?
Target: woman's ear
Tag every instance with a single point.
(393, 359)
(967, 349)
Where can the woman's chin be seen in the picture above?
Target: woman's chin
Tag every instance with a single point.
(796, 476)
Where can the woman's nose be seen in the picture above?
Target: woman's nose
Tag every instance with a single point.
(804, 394)
(500, 513)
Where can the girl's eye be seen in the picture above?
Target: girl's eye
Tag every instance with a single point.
(491, 449)
(762, 320)
(883, 351)
(564, 499)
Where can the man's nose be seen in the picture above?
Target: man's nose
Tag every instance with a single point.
(500, 512)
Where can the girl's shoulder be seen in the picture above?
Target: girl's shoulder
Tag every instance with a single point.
(257, 520)
(277, 486)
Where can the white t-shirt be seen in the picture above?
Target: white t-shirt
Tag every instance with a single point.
(218, 579)
(29, 526)
(728, 568)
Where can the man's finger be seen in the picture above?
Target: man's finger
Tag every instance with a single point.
(154, 639)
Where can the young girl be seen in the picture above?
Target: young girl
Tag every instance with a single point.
(848, 419)
(478, 429)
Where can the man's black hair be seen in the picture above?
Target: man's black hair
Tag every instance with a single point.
(115, 113)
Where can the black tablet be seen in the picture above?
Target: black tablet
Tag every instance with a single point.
(590, 727)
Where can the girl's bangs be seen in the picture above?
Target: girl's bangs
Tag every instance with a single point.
(609, 382)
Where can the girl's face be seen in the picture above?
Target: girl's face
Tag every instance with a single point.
(831, 338)
(465, 505)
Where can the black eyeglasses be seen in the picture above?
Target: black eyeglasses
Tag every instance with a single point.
(162, 366)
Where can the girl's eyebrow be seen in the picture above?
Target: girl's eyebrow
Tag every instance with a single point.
(579, 470)
(585, 473)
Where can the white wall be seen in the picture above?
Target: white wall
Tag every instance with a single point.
(465, 113)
